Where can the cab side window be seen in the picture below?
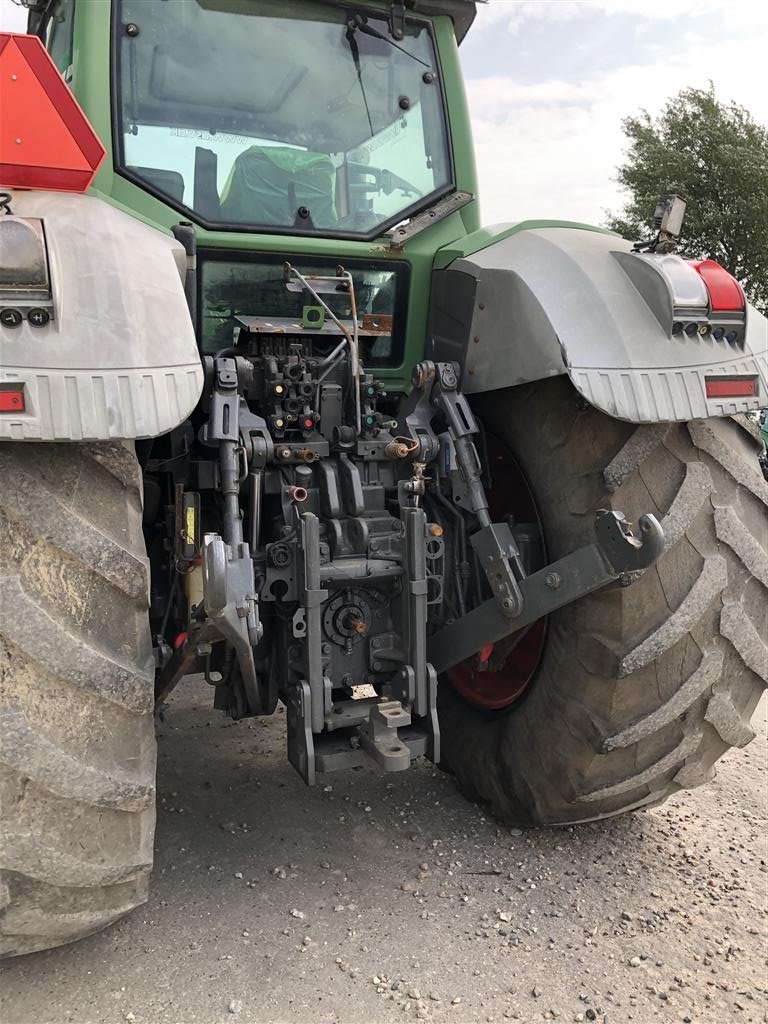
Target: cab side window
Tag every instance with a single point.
(59, 35)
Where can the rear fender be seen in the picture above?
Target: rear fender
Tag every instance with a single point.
(118, 357)
(543, 301)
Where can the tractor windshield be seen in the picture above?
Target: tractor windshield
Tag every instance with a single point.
(287, 117)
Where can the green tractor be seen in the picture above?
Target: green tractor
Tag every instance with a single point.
(277, 410)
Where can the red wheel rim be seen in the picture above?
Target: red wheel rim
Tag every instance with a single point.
(496, 690)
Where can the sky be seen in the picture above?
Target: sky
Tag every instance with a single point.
(549, 82)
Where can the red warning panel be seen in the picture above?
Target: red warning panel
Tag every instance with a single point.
(46, 140)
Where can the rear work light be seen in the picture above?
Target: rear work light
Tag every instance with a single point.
(11, 399)
(731, 387)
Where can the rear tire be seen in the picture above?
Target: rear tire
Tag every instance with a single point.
(640, 689)
(77, 753)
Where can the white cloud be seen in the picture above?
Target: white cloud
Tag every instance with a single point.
(515, 13)
(13, 18)
(550, 148)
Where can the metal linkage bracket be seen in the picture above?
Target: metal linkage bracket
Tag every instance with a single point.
(379, 739)
(223, 420)
(229, 600)
(499, 555)
(433, 724)
(229, 588)
(422, 221)
(415, 605)
(313, 597)
(301, 746)
(625, 552)
(496, 548)
(616, 551)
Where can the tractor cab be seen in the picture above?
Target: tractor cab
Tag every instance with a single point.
(316, 132)
(287, 118)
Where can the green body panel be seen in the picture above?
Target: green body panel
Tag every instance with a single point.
(455, 236)
(92, 86)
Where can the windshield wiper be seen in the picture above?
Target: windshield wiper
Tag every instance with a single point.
(359, 23)
(355, 50)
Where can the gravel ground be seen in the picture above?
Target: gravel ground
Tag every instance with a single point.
(389, 898)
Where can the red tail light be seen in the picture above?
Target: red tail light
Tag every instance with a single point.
(725, 292)
(45, 138)
(11, 399)
(734, 387)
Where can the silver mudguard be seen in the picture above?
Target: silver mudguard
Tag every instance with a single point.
(544, 301)
(118, 358)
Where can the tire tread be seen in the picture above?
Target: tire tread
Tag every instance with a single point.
(78, 807)
(633, 701)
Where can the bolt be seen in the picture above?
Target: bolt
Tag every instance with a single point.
(553, 580)
(376, 666)
(428, 77)
(132, 29)
(507, 603)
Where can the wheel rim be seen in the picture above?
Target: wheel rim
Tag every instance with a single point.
(509, 494)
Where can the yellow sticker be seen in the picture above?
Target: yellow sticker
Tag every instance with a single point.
(190, 533)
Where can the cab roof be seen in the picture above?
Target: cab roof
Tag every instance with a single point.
(462, 12)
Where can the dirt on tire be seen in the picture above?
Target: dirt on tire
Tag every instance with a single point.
(642, 688)
(76, 701)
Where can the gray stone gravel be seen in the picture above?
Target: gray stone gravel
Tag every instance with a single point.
(382, 899)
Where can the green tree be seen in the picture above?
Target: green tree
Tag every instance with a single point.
(715, 156)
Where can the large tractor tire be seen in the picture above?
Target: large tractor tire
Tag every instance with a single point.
(77, 745)
(638, 690)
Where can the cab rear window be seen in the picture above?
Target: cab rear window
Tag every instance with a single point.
(255, 286)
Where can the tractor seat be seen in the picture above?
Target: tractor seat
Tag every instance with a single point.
(268, 184)
(170, 183)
